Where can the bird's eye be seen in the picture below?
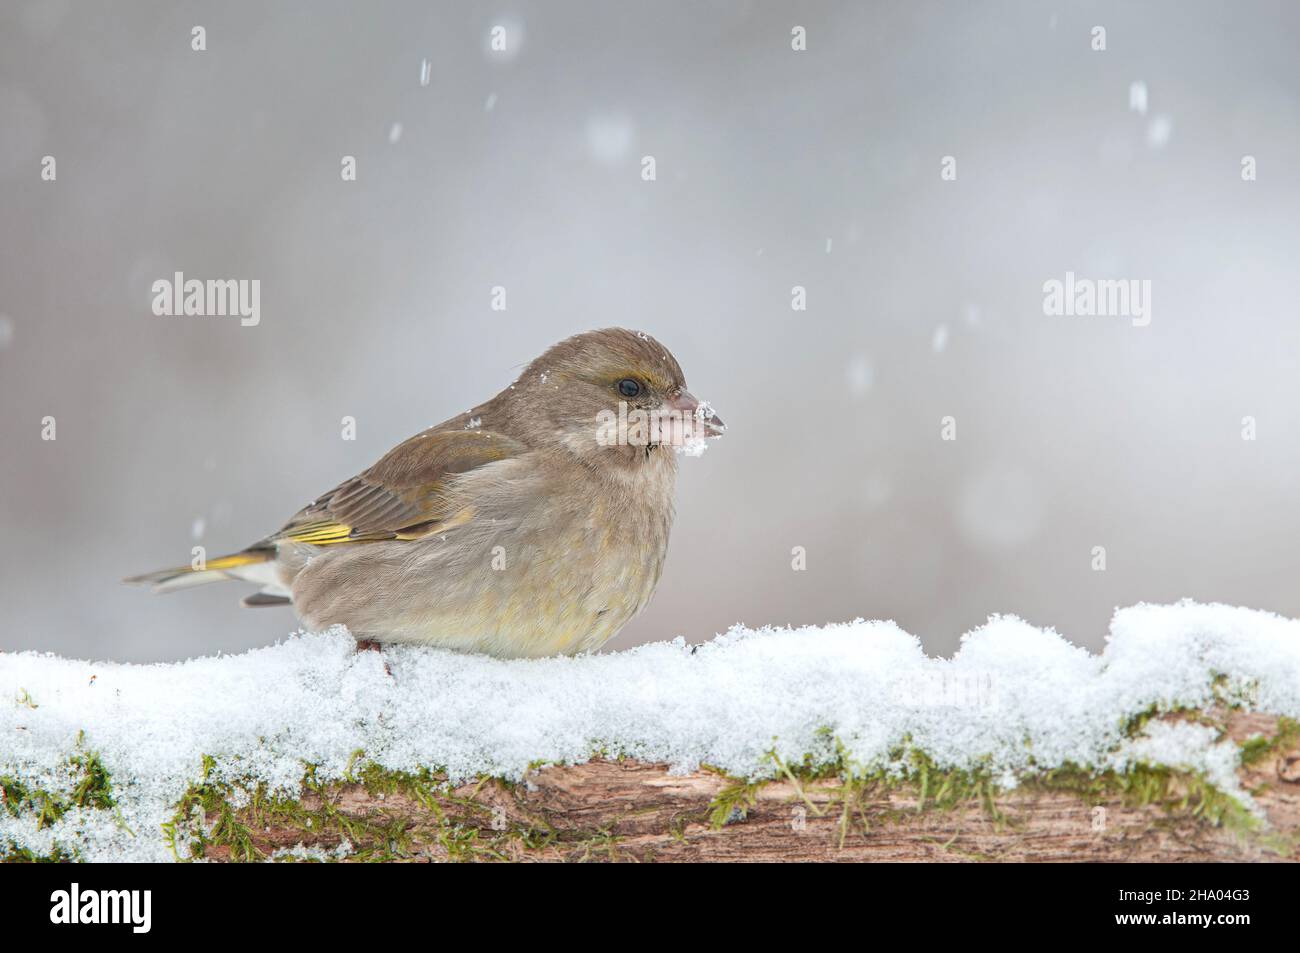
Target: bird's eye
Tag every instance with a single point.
(628, 387)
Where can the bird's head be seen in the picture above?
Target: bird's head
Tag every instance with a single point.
(613, 395)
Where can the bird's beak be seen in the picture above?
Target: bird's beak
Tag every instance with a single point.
(696, 415)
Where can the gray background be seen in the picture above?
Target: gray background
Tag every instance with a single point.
(1072, 432)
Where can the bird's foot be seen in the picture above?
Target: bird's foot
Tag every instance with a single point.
(370, 645)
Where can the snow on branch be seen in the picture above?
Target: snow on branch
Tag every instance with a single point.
(256, 754)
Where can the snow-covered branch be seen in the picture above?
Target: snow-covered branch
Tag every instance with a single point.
(1176, 741)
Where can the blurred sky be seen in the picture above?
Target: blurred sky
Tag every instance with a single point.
(775, 168)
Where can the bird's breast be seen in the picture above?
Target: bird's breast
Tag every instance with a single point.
(557, 572)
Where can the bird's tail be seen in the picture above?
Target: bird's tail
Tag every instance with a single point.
(233, 566)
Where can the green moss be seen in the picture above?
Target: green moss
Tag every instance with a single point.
(857, 794)
(1260, 747)
(90, 786)
(95, 786)
(1235, 693)
(1179, 792)
(1174, 791)
(1134, 725)
(458, 827)
(190, 823)
(216, 813)
(20, 799)
(11, 853)
(734, 801)
(908, 770)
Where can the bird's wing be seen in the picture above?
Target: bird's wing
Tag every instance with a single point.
(403, 496)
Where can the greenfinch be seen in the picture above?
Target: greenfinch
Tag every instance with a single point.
(534, 524)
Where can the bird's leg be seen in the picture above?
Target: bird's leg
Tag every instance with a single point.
(370, 645)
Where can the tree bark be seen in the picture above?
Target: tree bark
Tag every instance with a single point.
(632, 811)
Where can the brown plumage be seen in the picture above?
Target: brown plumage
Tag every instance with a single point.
(519, 528)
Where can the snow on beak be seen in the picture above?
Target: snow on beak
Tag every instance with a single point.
(697, 418)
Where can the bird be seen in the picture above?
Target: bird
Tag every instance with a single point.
(534, 524)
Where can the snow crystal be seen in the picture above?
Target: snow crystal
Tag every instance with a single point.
(940, 339)
(860, 375)
(1137, 97)
(1014, 699)
(609, 137)
(301, 852)
(697, 443)
(1158, 131)
(1190, 747)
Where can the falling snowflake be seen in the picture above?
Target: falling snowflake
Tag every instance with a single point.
(940, 339)
(1159, 130)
